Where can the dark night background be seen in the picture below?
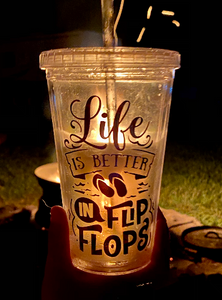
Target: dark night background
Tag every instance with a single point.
(27, 28)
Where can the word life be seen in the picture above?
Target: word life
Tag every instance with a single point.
(83, 124)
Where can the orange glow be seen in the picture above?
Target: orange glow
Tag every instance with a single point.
(149, 12)
(176, 23)
(57, 179)
(168, 13)
(140, 35)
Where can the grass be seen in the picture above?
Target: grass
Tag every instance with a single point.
(191, 184)
(18, 184)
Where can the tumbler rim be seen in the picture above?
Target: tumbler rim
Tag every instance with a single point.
(71, 57)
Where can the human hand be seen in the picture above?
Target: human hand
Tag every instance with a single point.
(63, 281)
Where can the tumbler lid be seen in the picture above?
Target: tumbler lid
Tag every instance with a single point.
(148, 57)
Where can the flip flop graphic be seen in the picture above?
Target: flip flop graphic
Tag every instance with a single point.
(119, 184)
(115, 179)
(100, 184)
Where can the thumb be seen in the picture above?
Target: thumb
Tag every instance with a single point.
(58, 238)
(58, 258)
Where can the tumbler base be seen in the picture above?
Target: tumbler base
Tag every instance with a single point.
(111, 269)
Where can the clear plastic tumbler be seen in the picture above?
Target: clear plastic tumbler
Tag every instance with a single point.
(110, 110)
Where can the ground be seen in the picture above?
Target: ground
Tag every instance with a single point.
(192, 180)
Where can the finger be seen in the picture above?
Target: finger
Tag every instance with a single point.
(58, 239)
(58, 259)
(161, 251)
